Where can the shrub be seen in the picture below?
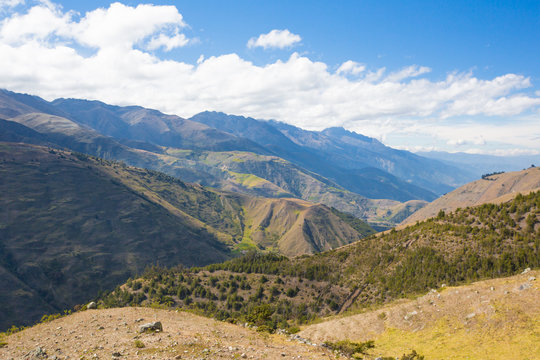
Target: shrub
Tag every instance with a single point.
(412, 356)
(139, 344)
(350, 348)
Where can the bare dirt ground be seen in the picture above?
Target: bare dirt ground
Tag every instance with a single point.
(112, 334)
(493, 319)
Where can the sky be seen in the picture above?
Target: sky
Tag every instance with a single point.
(458, 76)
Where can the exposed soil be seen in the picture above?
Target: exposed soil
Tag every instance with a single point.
(112, 333)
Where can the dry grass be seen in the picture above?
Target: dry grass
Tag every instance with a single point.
(491, 319)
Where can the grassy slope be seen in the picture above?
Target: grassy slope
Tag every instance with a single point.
(69, 229)
(274, 177)
(493, 319)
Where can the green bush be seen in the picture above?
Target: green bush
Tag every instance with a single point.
(350, 348)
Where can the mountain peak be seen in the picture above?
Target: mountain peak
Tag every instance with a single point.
(339, 131)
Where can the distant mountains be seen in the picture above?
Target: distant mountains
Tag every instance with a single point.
(73, 225)
(253, 157)
(342, 169)
(349, 159)
(480, 164)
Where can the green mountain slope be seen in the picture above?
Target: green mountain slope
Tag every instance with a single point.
(487, 241)
(137, 134)
(363, 167)
(244, 172)
(72, 225)
(272, 176)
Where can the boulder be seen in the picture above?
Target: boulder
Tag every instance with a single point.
(153, 326)
(91, 305)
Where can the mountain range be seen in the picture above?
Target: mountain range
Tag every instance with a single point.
(348, 171)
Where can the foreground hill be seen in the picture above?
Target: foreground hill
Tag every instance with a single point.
(72, 225)
(475, 243)
(490, 189)
(494, 319)
(101, 333)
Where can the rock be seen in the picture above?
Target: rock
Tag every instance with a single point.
(532, 278)
(91, 305)
(492, 288)
(116, 354)
(526, 270)
(37, 353)
(524, 286)
(243, 356)
(470, 316)
(153, 326)
(410, 315)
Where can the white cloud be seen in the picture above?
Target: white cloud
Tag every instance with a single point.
(41, 54)
(408, 72)
(169, 43)
(472, 140)
(275, 39)
(10, 3)
(122, 26)
(351, 67)
(118, 27)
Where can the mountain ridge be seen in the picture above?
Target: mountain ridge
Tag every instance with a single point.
(495, 188)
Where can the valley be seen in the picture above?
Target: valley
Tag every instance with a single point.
(245, 221)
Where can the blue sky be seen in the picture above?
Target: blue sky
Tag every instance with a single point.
(442, 75)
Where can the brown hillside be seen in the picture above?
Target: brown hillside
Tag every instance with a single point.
(494, 189)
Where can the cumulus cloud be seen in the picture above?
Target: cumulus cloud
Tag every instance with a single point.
(279, 39)
(118, 27)
(44, 52)
(167, 42)
(351, 67)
